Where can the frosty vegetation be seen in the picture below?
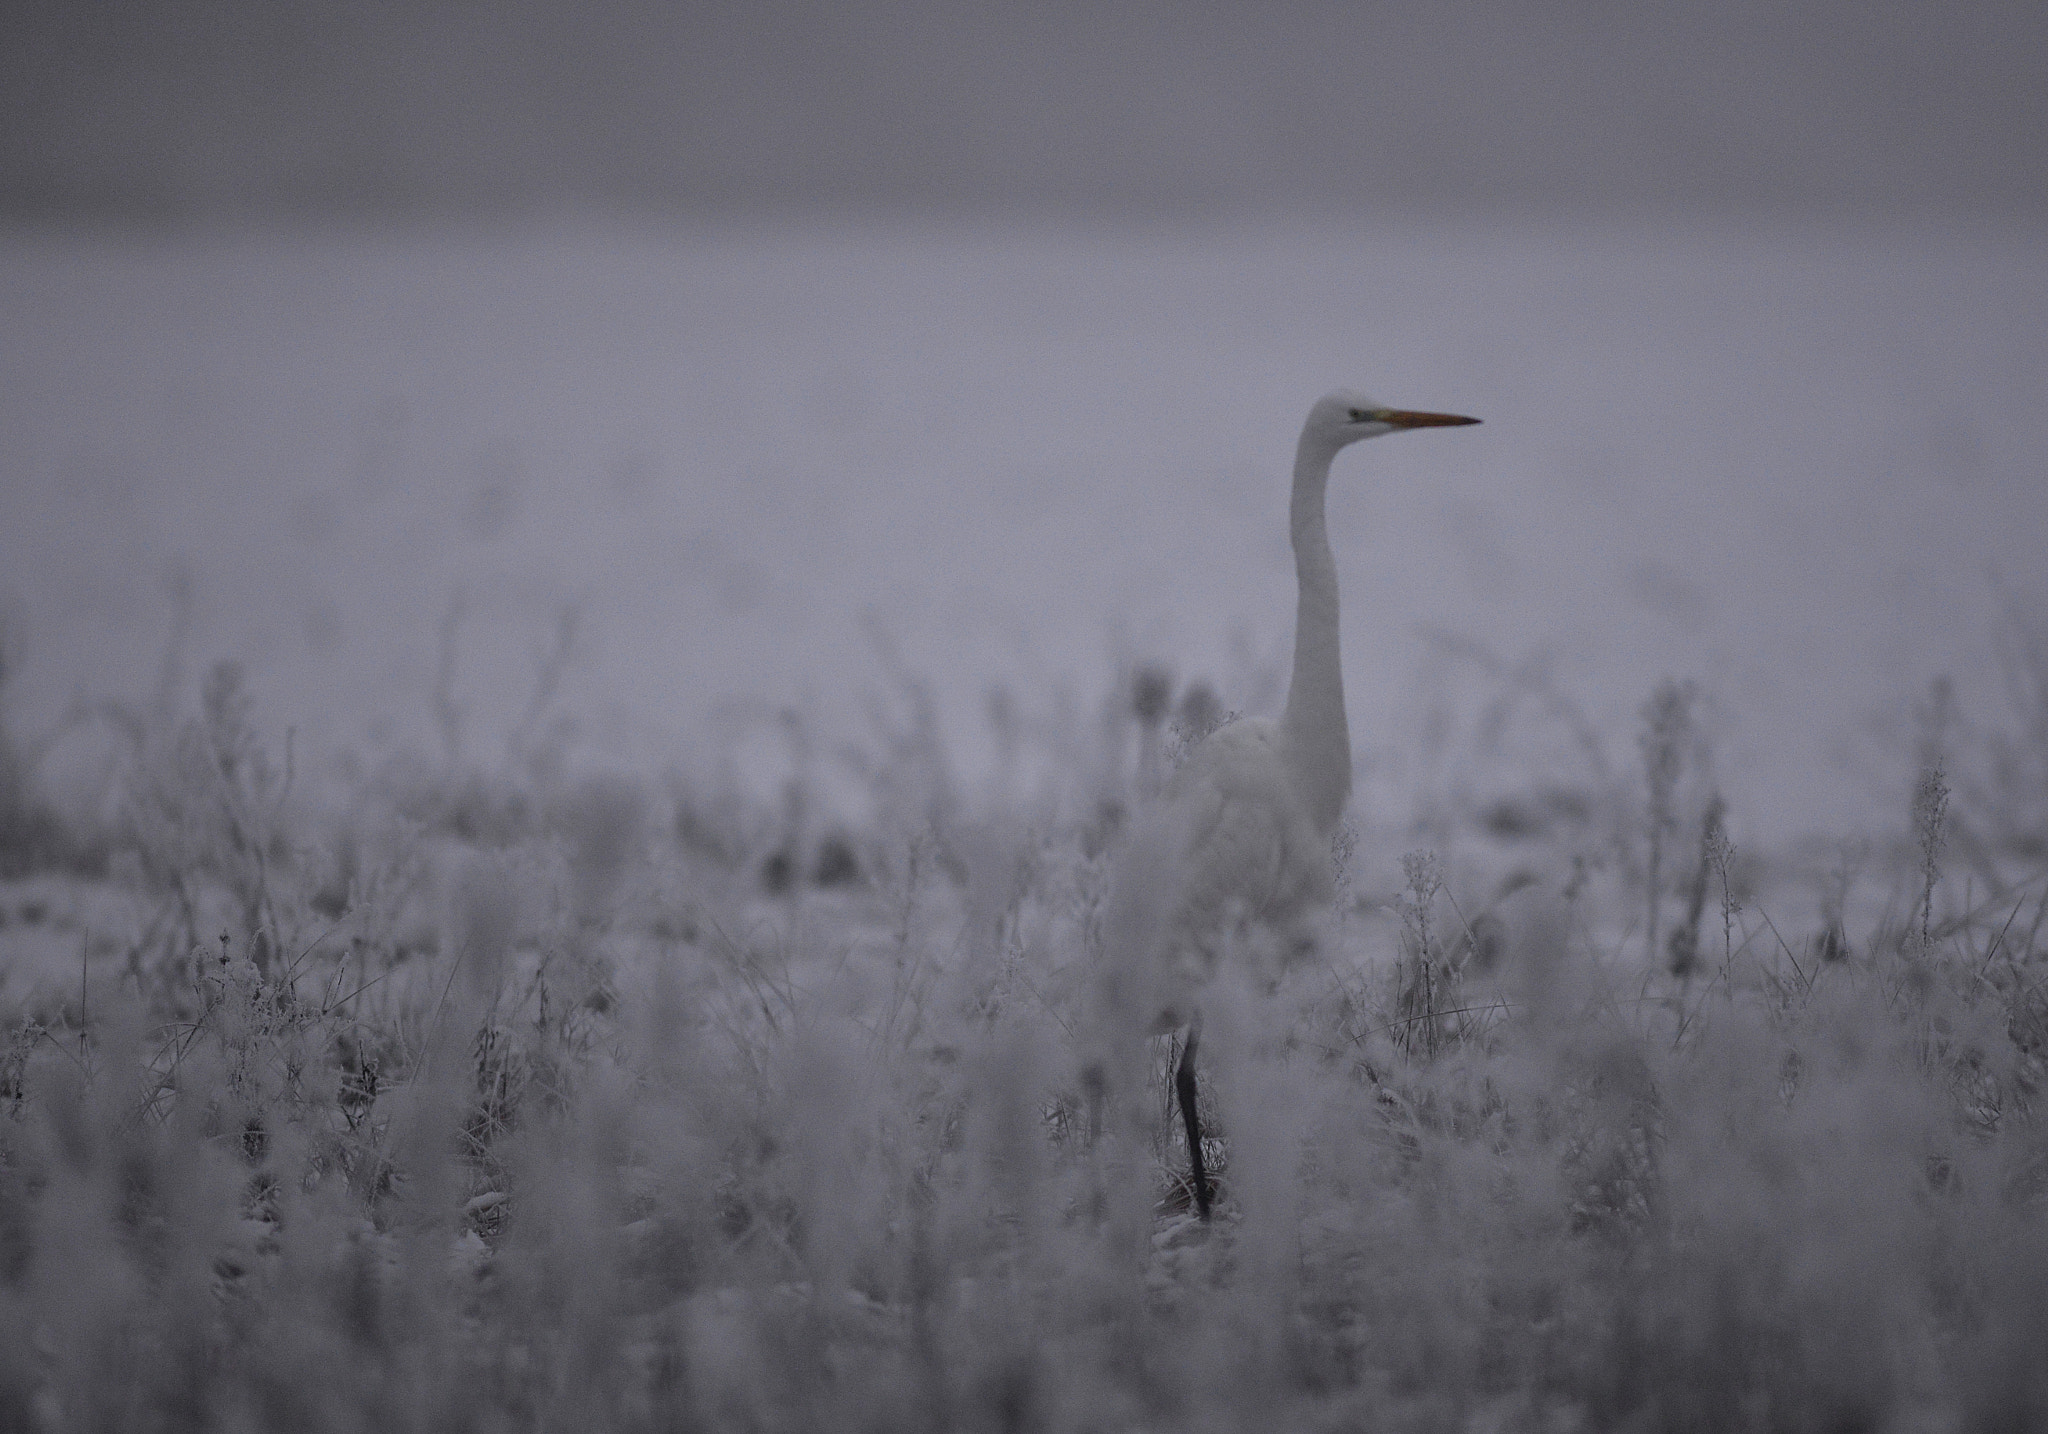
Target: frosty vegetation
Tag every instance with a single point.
(518, 1098)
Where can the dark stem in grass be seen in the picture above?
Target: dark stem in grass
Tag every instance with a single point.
(1684, 945)
(1184, 1089)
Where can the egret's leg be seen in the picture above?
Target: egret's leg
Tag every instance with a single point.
(1184, 1088)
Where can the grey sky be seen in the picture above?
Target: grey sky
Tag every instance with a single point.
(186, 107)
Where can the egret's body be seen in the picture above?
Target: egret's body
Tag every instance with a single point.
(1250, 847)
(1253, 807)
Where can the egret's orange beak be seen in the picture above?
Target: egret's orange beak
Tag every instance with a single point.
(1404, 418)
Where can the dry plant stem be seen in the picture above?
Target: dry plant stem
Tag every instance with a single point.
(1667, 722)
(1930, 813)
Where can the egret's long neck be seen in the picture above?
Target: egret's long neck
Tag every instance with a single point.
(1316, 736)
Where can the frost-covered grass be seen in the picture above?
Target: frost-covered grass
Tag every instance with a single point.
(524, 1099)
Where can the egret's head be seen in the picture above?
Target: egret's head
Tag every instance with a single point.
(1345, 416)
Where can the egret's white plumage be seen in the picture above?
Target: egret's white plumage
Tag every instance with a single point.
(1252, 809)
(1255, 805)
(1249, 846)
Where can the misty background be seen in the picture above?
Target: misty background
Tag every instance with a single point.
(762, 340)
(191, 110)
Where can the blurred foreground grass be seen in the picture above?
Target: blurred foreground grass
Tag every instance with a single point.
(522, 1099)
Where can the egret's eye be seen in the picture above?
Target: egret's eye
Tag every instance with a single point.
(1362, 415)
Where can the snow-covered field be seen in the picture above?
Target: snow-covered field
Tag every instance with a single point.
(492, 935)
(1794, 463)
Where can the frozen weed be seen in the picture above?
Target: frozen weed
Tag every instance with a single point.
(515, 1106)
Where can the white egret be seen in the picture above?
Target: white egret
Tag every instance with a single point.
(1254, 806)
